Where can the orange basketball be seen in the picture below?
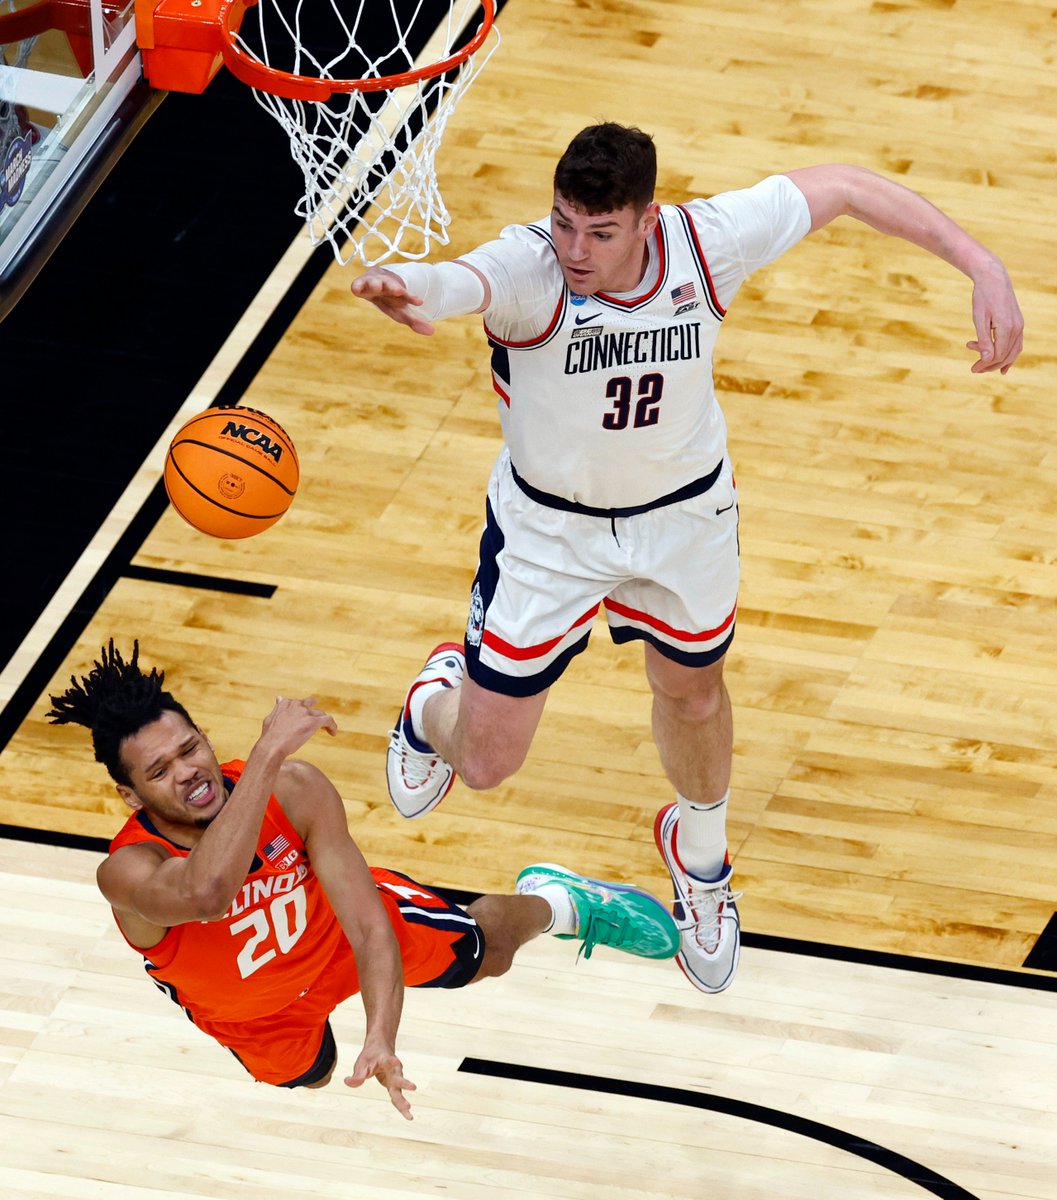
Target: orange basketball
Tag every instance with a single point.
(231, 472)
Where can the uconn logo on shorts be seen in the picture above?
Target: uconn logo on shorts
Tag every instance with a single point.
(475, 621)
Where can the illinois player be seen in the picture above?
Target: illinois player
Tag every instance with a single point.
(254, 910)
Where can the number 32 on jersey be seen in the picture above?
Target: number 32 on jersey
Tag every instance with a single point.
(635, 406)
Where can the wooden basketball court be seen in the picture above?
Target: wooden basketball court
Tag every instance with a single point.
(892, 1030)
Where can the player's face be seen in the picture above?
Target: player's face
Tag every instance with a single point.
(601, 252)
(175, 775)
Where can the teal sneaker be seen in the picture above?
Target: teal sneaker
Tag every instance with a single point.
(610, 914)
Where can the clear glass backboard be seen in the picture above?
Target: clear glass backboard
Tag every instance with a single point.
(71, 99)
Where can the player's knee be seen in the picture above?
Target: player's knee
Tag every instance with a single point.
(695, 701)
(702, 708)
(492, 915)
(481, 770)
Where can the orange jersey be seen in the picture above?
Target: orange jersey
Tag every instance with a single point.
(280, 937)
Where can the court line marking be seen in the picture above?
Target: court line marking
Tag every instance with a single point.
(972, 972)
(889, 1160)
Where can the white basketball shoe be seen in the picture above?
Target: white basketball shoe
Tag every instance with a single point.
(704, 911)
(418, 777)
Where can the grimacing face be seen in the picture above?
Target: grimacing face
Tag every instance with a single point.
(601, 252)
(175, 776)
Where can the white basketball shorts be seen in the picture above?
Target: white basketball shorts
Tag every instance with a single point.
(667, 576)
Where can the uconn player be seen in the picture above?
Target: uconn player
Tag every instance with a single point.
(614, 487)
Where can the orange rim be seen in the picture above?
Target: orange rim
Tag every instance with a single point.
(307, 87)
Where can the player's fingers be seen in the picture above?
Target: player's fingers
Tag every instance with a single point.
(396, 1085)
(401, 1103)
(1014, 354)
(416, 324)
(1008, 336)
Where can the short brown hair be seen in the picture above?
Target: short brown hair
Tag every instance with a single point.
(607, 167)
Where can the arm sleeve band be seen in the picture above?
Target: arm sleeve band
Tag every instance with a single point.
(447, 289)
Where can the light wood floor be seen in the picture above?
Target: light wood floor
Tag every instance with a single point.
(105, 1091)
(893, 675)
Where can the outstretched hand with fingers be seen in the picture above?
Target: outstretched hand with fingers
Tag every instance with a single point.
(388, 293)
(384, 1066)
(998, 320)
(292, 722)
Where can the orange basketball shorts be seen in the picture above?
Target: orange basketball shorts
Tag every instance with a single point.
(441, 945)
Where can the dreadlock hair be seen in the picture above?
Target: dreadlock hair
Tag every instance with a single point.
(114, 700)
(606, 167)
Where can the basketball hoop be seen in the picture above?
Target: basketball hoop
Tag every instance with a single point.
(364, 130)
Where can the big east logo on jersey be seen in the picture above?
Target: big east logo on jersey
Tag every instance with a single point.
(253, 437)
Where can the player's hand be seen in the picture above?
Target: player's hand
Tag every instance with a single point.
(998, 320)
(388, 293)
(389, 1071)
(292, 722)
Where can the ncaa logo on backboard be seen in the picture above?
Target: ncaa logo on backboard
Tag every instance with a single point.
(475, 621)
(15, 170)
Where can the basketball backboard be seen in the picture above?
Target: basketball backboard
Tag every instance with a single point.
(71, 99)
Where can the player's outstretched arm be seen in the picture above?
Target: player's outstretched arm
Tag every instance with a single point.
(316, 811)
(390, 295)
(151, 889)
(417, 294)
(840, 190)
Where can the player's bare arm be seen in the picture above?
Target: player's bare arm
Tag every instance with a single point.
(316, 811)
(839, 190)
(150, 890)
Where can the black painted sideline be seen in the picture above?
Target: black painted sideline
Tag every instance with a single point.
(210, 583)
(890, 1160)
(1043, 956)
(758, 941)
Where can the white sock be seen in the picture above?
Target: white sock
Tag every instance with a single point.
(701, 836)
(564, 918)
(418, 700)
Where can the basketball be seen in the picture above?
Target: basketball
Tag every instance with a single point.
(231, 472)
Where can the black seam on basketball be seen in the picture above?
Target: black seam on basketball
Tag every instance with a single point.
(291, 492)
(235, 512)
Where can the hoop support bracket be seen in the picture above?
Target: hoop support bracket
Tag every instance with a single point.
(182, 42)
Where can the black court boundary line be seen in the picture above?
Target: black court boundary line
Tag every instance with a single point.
(209, 583)
(889, 1160)
(759, 941)
(1043, 956)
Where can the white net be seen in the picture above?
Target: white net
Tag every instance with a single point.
(368, 156)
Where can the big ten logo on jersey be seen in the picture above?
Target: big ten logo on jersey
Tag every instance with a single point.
(280, 853)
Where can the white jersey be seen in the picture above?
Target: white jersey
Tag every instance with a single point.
(608, 400)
